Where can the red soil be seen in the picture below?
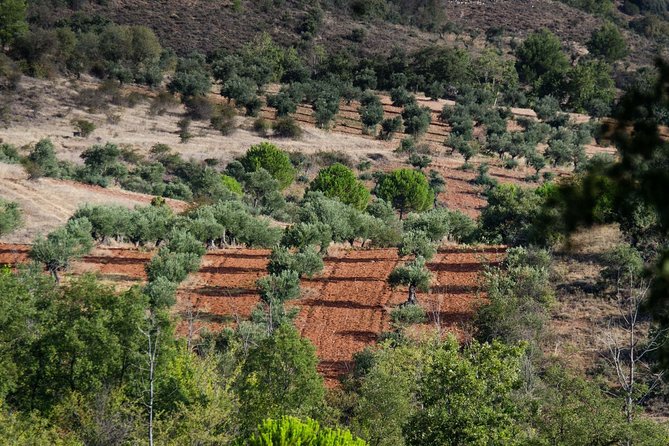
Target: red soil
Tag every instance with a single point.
(342, 310)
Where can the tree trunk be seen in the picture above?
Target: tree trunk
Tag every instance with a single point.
(54, 274)
(412, 300)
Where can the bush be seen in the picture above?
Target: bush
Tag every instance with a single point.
(305, 262)
(172, 266)
(199, 108)
(84, 128)
(261, 126)
(9, 154)
(293, 431)
(184, 130)
(286, 127)
(416, 119)
(408, 315)
(371, 111)
(401, 97)
(390, 126)
(608, 43)
(418, 244)
(283, 102)
(162, 102)
(10, 216)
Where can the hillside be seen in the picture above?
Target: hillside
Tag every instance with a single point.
(206, 26)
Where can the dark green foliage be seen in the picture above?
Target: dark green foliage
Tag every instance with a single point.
(420, 162)
(9, 154)
(338, 181)
(263, 191)
(268, 390)
(483, 178)
(541, 61)
(435, 223)
(241, 90)
(106, 221)
(476, 385)
(406, 189)
(10, 216)
(520, 295)
(371, 111)
(302, 235)
(191, 77)
(42, 160)
(435, 90)
(12, 20)
(390, 126)
(547, 108)
(286, 127)
(416, 119)
(401, 97)
(590, 85)
(291, 430)
(269, 157)
(283, 102)
(184, 130)
(78, 338)
(84, 127)
(511, 213)
(463, 228)
(608, 43)
(325, 105)
(466, 148)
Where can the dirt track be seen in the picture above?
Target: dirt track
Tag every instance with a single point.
(341, 310)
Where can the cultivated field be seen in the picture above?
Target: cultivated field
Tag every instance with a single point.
(342, 310)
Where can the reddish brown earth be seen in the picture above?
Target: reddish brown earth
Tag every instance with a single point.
(342, 310)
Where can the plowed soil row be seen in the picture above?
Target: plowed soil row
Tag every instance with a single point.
(342, 310)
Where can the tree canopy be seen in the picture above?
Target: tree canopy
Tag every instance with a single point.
(406, 189)
(338, 181)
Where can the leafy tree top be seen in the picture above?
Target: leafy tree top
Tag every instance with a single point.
(269, 157)
(338, 181)
(540, 54)
(407, 190)
(293, 431)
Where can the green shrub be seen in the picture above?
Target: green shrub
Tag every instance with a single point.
(261, 126)
(408, 315)
(10, 216)
(286, 127)
(390, 126)
(9, 154)
(607, 42)
(84, 127)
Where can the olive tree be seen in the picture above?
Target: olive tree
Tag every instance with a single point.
(371, 111)
(413, 274)
(61, 246)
